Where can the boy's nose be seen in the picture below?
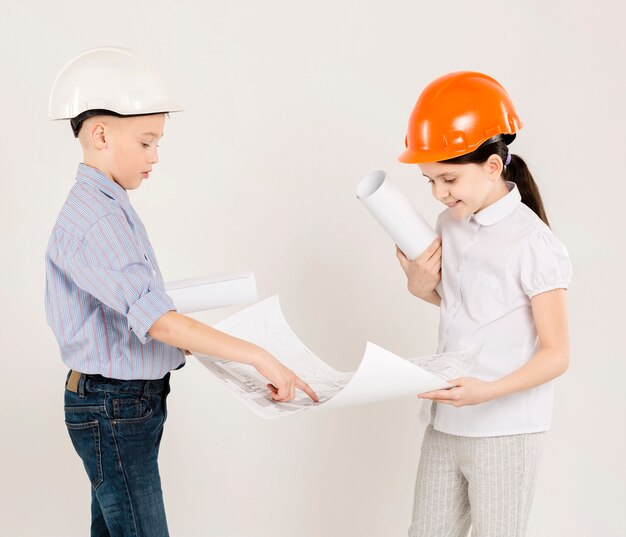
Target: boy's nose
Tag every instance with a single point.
(154, 157)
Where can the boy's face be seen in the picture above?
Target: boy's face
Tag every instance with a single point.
(131, 149)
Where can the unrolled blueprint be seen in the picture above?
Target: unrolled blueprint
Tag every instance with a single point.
(381, 375)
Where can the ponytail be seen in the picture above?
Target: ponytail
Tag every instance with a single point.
(516, 171)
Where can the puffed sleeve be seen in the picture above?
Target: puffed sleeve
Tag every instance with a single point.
(111, 266)
(544, 264)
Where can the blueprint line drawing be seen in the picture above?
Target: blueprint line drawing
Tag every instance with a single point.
(381, 375)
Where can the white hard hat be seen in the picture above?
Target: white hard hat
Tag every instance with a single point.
(109, 79)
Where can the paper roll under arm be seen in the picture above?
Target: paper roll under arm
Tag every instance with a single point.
(209, 292)
(395, 214)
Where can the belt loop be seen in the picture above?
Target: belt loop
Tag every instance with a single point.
(166, 387)
(146, 389)
(81, 385)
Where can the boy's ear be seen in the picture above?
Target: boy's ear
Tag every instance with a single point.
(98, 134)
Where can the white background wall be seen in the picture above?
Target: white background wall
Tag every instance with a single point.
(289, 104)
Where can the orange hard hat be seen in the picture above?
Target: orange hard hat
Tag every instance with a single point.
(455, 114)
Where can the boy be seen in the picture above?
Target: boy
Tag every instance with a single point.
(117, 329)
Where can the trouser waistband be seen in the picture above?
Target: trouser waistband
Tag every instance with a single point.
(78, 382)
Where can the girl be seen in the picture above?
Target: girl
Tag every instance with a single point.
(499, 275)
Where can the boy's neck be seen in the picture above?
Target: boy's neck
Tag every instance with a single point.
(92, 163)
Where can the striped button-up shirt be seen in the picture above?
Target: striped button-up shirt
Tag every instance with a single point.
(104, 289)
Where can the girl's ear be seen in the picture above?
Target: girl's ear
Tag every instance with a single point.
(494, 167)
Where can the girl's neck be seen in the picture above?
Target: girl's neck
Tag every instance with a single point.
(500, 189)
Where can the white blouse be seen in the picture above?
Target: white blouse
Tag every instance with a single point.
(492, 264)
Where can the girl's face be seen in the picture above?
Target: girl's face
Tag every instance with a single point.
(466, 188)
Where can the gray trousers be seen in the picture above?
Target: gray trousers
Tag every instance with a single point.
(486, 483)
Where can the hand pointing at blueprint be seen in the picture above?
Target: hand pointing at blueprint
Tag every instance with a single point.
(382, 375)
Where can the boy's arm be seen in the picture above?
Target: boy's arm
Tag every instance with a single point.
(186, 333)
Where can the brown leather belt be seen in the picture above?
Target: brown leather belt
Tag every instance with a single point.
(72, 381)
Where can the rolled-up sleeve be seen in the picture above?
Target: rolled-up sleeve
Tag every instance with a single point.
(112, 266)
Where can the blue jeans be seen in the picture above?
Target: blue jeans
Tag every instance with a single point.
(116, 428)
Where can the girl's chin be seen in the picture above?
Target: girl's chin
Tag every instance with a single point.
(459, 211)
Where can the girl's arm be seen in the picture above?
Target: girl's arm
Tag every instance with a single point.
(552, 359)
(424, 273)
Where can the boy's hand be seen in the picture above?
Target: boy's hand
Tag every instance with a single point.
(466, 391)
(424, 273)
(283, 381)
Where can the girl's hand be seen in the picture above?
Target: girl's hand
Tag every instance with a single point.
(466, 391)
(283, 381)
(424, 273)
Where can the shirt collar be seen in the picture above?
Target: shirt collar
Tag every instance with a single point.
(499, 210)
(94, 177)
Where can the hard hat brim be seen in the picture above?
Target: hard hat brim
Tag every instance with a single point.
(410, 156)
(160, 109)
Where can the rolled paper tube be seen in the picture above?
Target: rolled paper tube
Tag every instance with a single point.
(395, 214)
(210, 292)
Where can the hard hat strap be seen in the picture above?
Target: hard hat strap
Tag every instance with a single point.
(77, 122)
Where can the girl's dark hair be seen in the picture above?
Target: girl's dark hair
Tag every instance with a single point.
(517, 171)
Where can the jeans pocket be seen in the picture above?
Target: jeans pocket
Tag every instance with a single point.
(128, 408)
(85, 437)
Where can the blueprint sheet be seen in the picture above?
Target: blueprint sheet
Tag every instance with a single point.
(381, 375)
(208, 292)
